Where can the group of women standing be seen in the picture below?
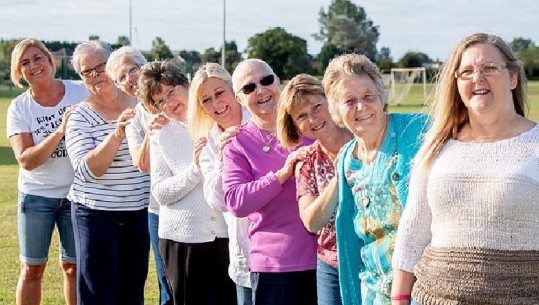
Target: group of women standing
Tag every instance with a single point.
(316, 195)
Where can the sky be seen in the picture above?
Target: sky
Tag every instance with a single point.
(433, 27)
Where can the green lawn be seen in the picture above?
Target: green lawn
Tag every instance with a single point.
(52, 289)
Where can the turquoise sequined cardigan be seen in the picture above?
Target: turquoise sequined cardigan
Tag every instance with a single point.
(410, 129)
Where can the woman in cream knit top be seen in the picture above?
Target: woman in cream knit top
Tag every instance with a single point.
(469, 232)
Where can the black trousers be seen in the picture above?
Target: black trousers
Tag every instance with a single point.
(198, 273)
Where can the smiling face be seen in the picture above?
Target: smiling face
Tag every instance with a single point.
(96, 81)
(262, 102)
(486, 94)
(217, 101)
(312, 119)
(127, 74)
(360, 105)
(172, 100)
(35, 66)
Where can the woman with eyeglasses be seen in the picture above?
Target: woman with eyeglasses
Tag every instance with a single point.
(36, 125)
(373, 172)
(469, 233)
(258, 183)
(109, 194)
(123, 66)
(193, 238)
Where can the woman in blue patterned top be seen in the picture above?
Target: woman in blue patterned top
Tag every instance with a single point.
(373, 172)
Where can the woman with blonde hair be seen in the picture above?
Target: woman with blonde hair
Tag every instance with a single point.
(213, 113)
(373, 174)
(303, 111)
(472, 210)
(36, 125)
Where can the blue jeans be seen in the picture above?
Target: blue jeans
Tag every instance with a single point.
(284, 288)
(245, 295)
(327, 284)
(36, 218)
(165, 297)
(112, 255)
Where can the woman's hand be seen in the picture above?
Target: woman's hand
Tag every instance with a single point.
(199, 145)
(293, 158)
(225, 138)
(123, 120)
(157, 122)
(62, 128)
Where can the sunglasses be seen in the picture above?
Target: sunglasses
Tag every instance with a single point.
(264, 81)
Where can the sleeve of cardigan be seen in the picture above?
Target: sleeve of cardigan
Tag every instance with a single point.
(243, 194)
(348, 244)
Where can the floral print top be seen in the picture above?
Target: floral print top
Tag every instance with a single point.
(314, 176)
(377, 213)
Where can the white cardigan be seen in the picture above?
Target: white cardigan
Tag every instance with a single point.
(184, 215)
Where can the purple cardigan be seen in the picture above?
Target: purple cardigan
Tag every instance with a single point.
(279, 241)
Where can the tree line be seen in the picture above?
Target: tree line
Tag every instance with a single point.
(344, 28)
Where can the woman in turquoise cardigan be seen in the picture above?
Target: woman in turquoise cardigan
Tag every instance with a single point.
(373, 171)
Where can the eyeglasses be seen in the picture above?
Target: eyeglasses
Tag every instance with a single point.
(264, 81)
(488, 69)
(97, 69)
(123, 79)
(166, 97)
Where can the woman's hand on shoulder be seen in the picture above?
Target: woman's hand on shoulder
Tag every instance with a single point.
(199, 145)
(123, 120)
(225, 137)
(293, 158)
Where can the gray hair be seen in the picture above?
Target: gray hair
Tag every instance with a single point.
(89, 47)
(242, 66)
(113, 63)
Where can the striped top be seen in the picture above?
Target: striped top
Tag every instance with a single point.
(122, 187)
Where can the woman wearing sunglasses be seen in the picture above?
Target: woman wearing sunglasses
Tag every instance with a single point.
(123, 66)
(109, 194)
(258, 183)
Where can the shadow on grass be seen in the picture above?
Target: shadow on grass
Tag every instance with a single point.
(6, 156)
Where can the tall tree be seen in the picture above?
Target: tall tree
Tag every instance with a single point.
(160, 50)
(284, 52)
(414, 60)
(384, 59)
(123, 41)
(346, 26)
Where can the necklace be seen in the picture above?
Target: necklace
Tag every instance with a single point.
(266, 148)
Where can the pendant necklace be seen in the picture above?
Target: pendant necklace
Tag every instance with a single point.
(266, 148)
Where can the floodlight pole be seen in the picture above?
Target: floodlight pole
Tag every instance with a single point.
(130, 22)
(223, 50)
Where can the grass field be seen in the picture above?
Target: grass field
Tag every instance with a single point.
(52, 288)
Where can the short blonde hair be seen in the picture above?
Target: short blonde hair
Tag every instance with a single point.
(199, 123)
(449, 112)
(343, 67)
(294, 97)
(17, 54)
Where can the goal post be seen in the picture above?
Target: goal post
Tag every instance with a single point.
(401, 82)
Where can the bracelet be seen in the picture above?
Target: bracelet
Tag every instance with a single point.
(401, 297)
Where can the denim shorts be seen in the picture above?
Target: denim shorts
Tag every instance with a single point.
(36, 218)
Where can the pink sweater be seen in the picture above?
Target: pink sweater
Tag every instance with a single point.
(279, 241)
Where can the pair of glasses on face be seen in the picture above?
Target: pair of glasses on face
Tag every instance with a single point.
(124, 77)
(488, 69)
(167, 97)
(97, 69)
(251, 87)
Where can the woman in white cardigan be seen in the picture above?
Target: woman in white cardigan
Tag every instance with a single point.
(193, 238)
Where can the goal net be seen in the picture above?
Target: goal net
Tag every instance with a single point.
(408, 86)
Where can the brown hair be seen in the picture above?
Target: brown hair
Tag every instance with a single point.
(153, 74)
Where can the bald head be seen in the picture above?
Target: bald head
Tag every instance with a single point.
(244, 68)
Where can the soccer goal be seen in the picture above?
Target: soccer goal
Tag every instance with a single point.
(401, 82)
